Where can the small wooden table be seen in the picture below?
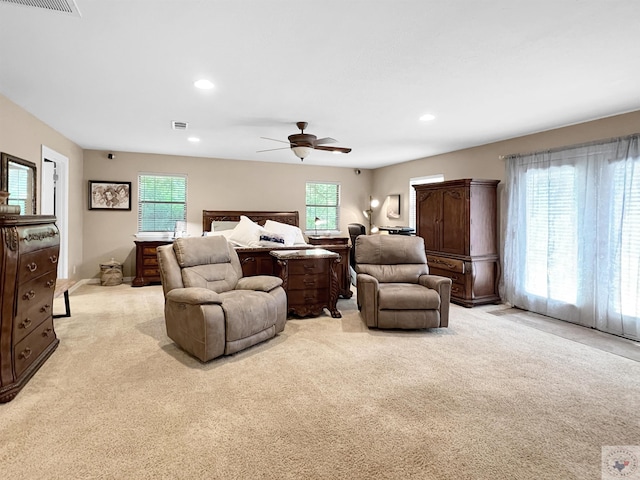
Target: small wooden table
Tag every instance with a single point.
(309, 277)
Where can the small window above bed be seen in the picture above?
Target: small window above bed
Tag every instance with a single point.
(322, 207)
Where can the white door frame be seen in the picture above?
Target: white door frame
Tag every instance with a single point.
(62, 205)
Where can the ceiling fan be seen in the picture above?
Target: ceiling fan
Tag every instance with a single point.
(302, 143)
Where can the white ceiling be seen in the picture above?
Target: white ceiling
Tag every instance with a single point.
(362, 72)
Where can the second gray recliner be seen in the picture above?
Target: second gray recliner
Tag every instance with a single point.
(395, 289)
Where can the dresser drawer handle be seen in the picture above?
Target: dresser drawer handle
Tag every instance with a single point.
(310, 283)
(309, 266)
(309, 299)
(32, 267)
(53, 259)
(26, 323)
(51, 283)
(26, 353)
(29, 295)
(47, 332)
(45, 307)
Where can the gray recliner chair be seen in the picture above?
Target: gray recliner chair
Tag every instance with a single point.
(395, 289)
(210, 308)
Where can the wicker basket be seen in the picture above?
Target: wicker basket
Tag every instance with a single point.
(111, 273)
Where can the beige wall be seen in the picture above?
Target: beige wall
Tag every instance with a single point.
(485, 162)
(212, 184)
(97, 236)
(23, 135)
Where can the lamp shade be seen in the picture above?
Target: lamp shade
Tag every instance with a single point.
(301, 152)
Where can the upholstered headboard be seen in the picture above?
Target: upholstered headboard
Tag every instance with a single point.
(208, 216)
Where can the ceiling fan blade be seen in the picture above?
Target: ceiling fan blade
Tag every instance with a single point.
(333, 149)
(321, 141)
(272, 149)
(275, 139)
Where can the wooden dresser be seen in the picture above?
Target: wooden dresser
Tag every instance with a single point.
(29, 250)
(147, 271)
(458, 221)
(310, 280)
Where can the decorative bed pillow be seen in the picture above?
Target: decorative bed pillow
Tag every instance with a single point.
(270, 239)
(219, 226)
(289, 231)
(246, 233)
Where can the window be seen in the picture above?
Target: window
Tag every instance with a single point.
(323, 204)
(162, 201)
(19, 183)
(626, 256)
(412, 194)
(571, 248)
(552, 234)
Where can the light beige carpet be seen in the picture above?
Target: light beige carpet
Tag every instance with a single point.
(487, 398)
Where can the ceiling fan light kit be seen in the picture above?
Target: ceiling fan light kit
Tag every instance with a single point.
(301, 152)
(303, 143)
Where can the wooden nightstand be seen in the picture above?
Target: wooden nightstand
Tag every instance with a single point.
(343, 246)
(309, 277)
(147, 270)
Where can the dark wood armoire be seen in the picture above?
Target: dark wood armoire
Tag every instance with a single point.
(29, 248)
(459, 224)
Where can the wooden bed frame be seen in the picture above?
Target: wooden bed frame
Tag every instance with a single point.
(258, 260)
(208, 216)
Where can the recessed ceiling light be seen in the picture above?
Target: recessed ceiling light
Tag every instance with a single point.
(203, 84)
(193, 139)
(427, 117)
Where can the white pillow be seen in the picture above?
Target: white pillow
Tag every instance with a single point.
(246, 233)
(292, 233)
(222, 233)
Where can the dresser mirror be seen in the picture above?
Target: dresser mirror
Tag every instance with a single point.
(18, 177)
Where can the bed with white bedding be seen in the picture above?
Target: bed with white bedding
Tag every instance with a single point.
(256, 233)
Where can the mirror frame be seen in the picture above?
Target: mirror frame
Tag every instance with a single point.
(4, 177)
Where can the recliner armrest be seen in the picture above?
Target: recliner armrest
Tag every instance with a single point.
(194, 296)
(434, 281)
(264, 283)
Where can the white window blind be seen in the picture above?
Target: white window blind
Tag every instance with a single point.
(19, 179)
(162, 201)
(552, 235)
(626, 257)
(412, 194)
(322, 203)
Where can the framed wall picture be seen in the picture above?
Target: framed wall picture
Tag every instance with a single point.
(105, 195)
(393, 206)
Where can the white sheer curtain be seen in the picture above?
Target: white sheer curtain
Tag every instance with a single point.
(572, 240)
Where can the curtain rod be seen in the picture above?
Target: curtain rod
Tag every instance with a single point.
(569, 147)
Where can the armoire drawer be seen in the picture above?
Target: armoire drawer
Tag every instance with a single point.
(458, 290)
(454, 276)
(445, 263)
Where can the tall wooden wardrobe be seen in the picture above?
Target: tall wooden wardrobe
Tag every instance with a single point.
(459, 224)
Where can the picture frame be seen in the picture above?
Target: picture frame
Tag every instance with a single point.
(393, 206)
(109, 195)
